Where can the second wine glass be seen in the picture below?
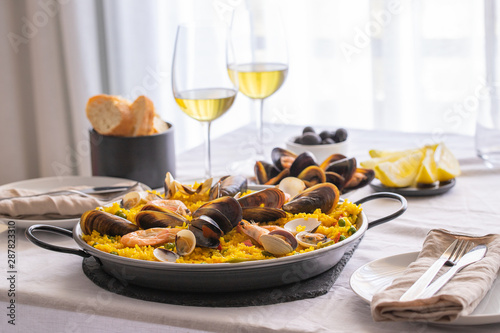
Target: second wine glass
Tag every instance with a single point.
(261, 59)
(200, 81)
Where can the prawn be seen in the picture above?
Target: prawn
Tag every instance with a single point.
(153, 236)
(252, 230)
(175, 206)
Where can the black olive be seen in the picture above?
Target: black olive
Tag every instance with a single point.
(340, 135)
(327, 141)
(324, 135)
(311, 139)
(308, 129)
(298, 139)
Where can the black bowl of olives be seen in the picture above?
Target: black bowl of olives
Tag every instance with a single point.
(321, 145)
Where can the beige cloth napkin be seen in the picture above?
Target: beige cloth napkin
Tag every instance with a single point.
(458, 297)
(47, 207)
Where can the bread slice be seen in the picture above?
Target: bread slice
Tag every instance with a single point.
(159, 125)
(110, 115)
(143, 111)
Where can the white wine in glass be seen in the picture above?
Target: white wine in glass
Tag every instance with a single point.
(260, 57)
(200, 81)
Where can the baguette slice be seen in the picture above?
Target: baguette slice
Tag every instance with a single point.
(110, 115)
(143, 111)
(159, 125)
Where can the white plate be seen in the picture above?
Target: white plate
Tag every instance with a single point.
(372, 277)
(49, 183)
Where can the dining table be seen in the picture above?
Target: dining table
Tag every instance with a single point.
(52, 294)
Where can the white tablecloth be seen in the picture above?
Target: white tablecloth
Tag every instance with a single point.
(53, 294)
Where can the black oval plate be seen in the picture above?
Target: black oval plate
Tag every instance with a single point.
(412, 191)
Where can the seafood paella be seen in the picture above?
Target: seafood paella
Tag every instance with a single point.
(224, 222)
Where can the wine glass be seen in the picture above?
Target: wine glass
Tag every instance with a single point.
(260, 58)
(200, 80)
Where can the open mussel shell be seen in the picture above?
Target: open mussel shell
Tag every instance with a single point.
(360, 178)
(185, 242)
(308, 239)
(278, 242)
(301, 162)
(159, 219)
(265, 171)
(269, 197)
(310, 224)
(344, 167)
(312, 175)
(228, 186)
(136, 198)
(105, 224)
(282, 158)
(263, 214)
(206, 231)
(330, 159)
(275, 180)
(335, 179)
(225, 211)
(165, 255)
(324, 196)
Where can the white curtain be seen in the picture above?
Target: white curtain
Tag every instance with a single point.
(385, 64)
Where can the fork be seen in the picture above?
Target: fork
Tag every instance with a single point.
(462, 248)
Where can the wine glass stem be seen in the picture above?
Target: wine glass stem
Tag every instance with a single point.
(208, 159)
(260, 127)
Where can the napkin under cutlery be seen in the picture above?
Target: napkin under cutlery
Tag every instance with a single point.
(48, 206)
(459, 296)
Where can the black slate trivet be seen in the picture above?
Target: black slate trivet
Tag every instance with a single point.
(310, 288)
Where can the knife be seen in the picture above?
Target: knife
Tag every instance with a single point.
(470, 257)
(427, 277)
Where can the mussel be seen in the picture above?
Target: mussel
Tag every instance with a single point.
(360, 178)
(335, 179)
(282, 158)
(324, 196)
(206, 231)
(344, 167)
(171, 187)
(301, 162)
(312, 175)
(105, 224)
(330, 159)
(225, 211)
(228, 186)
(278, 242)
(159, 219)
(264, 171)
(269, 197)
(263, 214)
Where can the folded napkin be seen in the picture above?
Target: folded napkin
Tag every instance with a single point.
(47, 207)
(458, 297)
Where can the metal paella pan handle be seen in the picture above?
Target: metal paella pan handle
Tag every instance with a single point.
(385, 195)
(61, 231)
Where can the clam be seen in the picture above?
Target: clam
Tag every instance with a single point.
(228, 186)
(269, 197)
(169, 186)
(165, 255)
(282, 158)
(360, 178)
(324, 196)
(206, 231)
(159, 219)
(310, 224)
(278, 242)
(262, 214)
(225, 211)
(136, 198)
(292, 186)
(312, 175)
(105, 224)
(308, 239)
(185, 242)
(301, 162)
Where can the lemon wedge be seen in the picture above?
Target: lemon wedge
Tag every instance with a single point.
(400, 173)
(386, 157)
(447, 166)
(427, 173)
